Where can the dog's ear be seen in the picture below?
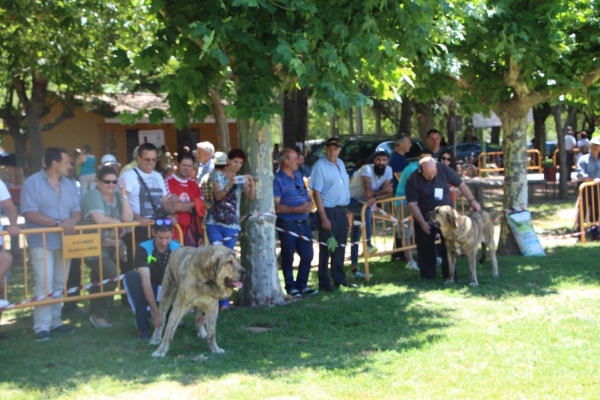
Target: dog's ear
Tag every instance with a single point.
(451, 219)
(212, 262)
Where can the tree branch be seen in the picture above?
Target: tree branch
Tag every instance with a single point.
(20, 89)
(511, 78)
(66, 114)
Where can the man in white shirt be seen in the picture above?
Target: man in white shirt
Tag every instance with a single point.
(372, 182)
(144, 200)
(205, 153)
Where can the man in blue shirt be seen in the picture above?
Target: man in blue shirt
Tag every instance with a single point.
(50, 199)
(292, 205)
(143, 285)
(330, 184)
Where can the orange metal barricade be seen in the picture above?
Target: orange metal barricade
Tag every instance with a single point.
(555, 158)
(78, 245)
(495, 159)
(588, 207)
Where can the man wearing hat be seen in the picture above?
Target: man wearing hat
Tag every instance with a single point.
(372, 182)
(330, 184)
(588, 170)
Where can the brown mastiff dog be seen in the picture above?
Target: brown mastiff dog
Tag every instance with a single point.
(196, 277)
(462, 235)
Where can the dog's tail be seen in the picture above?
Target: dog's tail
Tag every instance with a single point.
(483, 253)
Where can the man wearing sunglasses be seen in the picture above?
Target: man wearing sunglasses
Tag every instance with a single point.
(143, 285)
(293, 205)
(146, 193)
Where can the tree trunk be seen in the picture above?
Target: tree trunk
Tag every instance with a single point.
(514, 126)
(406, 109)
(350, 122)
(451, 122)
(377, 115)
(562, 154)
(333, 124)
(425, 119)
(572, 118)
(540, 114)
(288, 133)
(34, 128)
(221, 121)
(261, 285)
(359, 122)
(302, 115)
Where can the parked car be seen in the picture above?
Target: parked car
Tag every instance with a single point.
(358, 152)
(464, 150)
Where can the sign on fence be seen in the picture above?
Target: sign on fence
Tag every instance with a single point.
(83, 245)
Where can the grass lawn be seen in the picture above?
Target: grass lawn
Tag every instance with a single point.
(532, 333)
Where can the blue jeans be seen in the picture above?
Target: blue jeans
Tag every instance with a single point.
(216, 233)
(355, 208)
(137, 300)
(291, 244)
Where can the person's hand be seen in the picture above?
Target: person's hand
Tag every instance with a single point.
(475, 205)
(596, 180)
(157, 321)
(425, 226)
(249, 181)
(122, 189)
(307, 207)
(326, 224)
(144, 222)
(108, 242)
(14, 230)
(371, 201)
(68, 225)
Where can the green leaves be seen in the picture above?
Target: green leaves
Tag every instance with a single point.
(332, 244)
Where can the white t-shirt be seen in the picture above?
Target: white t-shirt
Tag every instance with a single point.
(137, 194)
(356, 186)
(4, 195)
(570, 142)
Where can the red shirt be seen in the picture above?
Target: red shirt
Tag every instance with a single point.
(187, 190)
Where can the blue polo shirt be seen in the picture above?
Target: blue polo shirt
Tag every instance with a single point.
(37, 194)
(332, 182)
(397, 162)
(291, 192)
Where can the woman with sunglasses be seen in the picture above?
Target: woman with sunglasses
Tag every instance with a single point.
(105, 204)
(223, 218)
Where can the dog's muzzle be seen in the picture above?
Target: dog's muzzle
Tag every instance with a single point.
(431, 219)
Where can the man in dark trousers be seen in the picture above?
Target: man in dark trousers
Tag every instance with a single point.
(426, 189)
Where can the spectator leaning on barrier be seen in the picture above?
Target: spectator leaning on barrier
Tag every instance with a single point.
(183, 191)
(330, 185)
(588, 170)
(104, 205)
(138, 182)
(372, 182)
(426, 189)
(434, 142)
(49, 199)
(293, 205)
(204, 154)
(143, 285)
(7, 207)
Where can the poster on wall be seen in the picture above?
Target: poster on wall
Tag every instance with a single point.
(156, 137)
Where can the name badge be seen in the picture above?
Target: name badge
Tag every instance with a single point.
(438, 193)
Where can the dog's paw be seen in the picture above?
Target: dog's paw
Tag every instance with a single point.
(202, 332)
(154, 341)
(159, 353)
(217, 350)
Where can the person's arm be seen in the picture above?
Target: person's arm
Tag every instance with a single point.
(126, 211)
(466, 192)
(418, 217)
(220, 191)
(299, 209)
(80, 159)
(9, 208)
(38, 218)
(385, 190)
(149, 294)
(181, 206)
(325, 222)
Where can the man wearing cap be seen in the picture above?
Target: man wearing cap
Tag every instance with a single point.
(330, 184)
(588, 170)
(205, 153)
(293, 205)
(372, 182)
(426, 189)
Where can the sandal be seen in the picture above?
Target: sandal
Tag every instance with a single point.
(97, 324)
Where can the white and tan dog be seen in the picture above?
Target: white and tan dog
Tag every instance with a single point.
(196, 277)
(462, 235)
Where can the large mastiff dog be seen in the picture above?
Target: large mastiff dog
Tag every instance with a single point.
(196, 277)
(462, 235)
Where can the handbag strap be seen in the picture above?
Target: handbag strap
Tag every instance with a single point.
(154, 207)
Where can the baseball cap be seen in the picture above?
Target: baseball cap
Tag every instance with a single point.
(380, 151)
(332, 142)
(109, 159)
(220, 158)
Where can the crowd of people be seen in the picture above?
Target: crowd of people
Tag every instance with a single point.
(202, 193)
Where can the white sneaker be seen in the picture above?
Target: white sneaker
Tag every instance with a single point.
(4, 303)
(360, 274)
(412, 265)
(438, 261)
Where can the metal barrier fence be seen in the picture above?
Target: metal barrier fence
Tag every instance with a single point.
(555, 157)
(588, 207)
(495, 161)
(86, 242)
(393, 220)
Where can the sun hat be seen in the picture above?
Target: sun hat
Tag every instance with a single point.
(595, 140)
(109, 159)
(220, 158)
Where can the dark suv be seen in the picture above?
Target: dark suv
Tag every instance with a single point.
(357, 152)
